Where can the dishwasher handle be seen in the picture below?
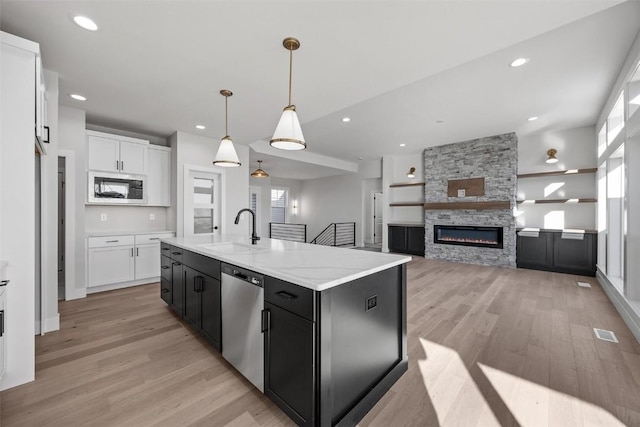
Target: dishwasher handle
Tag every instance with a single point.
(239, 275)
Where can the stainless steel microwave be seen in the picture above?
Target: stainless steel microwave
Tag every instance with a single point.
(115, 188)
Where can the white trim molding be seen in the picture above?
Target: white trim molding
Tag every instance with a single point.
(626, 310)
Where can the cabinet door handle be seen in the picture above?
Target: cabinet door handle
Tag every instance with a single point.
(201, 284)
(121, 165)
(48, 134)
(117, 165)
(137, 251)
(4, 282)
(1, 323)
(165, 267)
(132, 252)
(265, 321)
(112, 241)
(286, 295)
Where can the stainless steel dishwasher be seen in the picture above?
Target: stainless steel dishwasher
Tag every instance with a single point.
(242, 338)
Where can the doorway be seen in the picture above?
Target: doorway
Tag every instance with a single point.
(61, 227)
(201, 202)
(377, 218)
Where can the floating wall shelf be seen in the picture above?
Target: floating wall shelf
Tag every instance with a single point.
(406, 204)
(501, 204)
(555, 173)
(406, 184)
(542, 201)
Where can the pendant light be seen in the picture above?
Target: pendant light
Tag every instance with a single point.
(226, 156)
(259, 173)
(288, 134)
(551, 156)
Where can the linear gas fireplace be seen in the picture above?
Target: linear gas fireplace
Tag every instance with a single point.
(486, 237)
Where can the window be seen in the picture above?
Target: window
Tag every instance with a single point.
(279, 198)
(254, 205)
(615, 121)
(634, 93)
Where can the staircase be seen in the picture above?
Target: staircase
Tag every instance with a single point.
(341, 234)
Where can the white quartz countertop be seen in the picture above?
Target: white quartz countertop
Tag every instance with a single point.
(315, 267)
(122, 233)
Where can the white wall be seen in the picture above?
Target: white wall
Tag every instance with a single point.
(199, 151)
(369, 187)
(336, 199)
(71, 134)
(49, 186)
(17, 208)
(575, 151)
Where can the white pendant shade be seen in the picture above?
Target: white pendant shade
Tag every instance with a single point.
(226, 156)
(288, 134)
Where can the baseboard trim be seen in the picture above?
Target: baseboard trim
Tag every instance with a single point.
(112, 286)
(51, 324)
(629, 315)
(75, 294)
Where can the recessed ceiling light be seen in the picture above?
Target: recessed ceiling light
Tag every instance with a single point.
(439, 121)
(402, 145)
(360, 158)
(532, 119)
(78, 97)
(201, 127)
(86, 23)
(346, 119)
(519, 62)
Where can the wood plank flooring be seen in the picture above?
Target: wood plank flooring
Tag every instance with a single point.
(487, 346)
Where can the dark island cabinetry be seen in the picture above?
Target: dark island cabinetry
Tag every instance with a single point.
(557, 251)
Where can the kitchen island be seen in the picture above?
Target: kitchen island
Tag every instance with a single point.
(331, 321)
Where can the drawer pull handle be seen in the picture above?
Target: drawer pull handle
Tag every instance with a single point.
(165, 267)
(177, 253)
(154, 238)
(4, 282)
(164, 291)
(165, 249)
(286, 295)
(177, 263)
(112, 241)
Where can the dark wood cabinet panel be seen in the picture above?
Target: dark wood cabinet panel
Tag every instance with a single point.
(165, 290)
(289, 363)
(177, 287)
(192, 300)
(211, 314)
(406, 239)
(550, 252)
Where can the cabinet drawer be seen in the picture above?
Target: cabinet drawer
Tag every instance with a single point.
(142, 239)
(165, 249)
(165, 267)
(203, 264)
(175, 253)
(293, 298)
(107, 241)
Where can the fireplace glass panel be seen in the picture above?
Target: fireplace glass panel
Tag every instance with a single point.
(490, 237)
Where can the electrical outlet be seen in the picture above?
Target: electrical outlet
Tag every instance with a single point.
(103, 217)
(372, 302)
(152, 217)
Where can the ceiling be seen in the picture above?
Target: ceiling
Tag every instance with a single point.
(421, 73)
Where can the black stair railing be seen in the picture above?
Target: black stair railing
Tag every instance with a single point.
(337, 234)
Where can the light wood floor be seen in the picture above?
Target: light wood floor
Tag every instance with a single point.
(487, 346)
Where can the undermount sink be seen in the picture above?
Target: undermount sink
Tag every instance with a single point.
(231, 248)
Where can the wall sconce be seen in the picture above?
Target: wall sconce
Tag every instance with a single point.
(551, 155)
(295, 207)
(411, 173)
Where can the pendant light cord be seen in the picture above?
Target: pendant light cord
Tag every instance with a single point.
(226, 115)
(290, 72)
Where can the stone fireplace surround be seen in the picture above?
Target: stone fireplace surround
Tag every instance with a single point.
(493, 158)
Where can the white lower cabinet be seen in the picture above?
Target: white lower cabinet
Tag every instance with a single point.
(123, 258)
(3, 319)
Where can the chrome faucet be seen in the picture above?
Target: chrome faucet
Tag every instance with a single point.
(254, 237)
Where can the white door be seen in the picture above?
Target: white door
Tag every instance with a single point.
(254, 205)
(201, 203)
(103, 154)
(111, 265)
(377, 218)
(147, 261)
(133, 158)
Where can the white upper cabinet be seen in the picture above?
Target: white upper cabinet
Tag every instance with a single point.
(159, 176)
(114, 153)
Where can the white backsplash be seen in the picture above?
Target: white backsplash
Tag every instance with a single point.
(125, 218)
